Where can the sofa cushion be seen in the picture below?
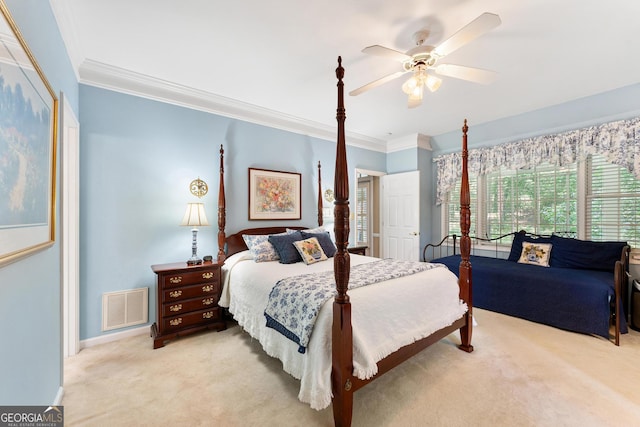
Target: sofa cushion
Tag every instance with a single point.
(585, 254)
(521, 237)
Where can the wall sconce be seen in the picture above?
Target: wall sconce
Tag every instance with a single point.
(194, 217)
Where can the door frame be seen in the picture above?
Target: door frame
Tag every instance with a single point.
(377, 195)
(70, 225)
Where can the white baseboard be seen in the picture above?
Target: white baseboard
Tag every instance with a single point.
(113, 337)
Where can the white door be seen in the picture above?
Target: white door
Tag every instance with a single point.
(401, 216)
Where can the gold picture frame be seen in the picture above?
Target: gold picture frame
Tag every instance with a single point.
(28, 131)
(274, 195)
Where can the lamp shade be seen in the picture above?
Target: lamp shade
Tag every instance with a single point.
(195, 216)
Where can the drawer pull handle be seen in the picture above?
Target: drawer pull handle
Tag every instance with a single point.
(176, 307)
(175, 294)
(175, 322)
(207, 315)
(175, 279)
(207, 275)
(207, 301)
(207, 288)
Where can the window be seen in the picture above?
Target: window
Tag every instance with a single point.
(613, 202)
(541, 201)
(548, 199)
(363, 198)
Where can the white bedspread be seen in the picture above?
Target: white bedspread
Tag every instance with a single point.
(385, 317)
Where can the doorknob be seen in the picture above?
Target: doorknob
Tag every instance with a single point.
(415, 233)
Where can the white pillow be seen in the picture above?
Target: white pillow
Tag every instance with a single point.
(308, 230)
(535, 253)
(310, 250)
(260, 247)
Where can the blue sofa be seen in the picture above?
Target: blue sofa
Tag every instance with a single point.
(583, 290)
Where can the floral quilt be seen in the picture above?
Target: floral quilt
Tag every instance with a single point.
(294, 302)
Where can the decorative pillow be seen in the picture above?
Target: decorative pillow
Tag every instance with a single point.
(284, 247)
(260, 248)
(585, 254)
(535, 254)
(325, 241)
(315, 230)
(308, 230)
(290, 230)
(310, 250)
(519, 239)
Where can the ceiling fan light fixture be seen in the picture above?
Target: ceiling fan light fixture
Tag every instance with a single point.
(410, 85)
(416, 93)
(432, 83)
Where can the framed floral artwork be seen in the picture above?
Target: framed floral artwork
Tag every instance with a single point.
(28, 128)
(274, 195)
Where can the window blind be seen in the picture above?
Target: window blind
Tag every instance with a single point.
(613, 202)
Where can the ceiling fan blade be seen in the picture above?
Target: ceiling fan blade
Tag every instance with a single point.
(479, 26)
(376, 83)
(385, 52)
(476, 75)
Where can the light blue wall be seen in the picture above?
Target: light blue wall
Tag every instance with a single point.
(137, 159)
(30, 289)
(402, 161)
(427, 193)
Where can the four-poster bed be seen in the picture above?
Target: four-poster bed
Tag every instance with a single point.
(446, 302)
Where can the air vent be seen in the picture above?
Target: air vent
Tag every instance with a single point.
(125, 308)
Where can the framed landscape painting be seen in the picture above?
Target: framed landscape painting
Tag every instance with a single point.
(274, 195)
(28, 127)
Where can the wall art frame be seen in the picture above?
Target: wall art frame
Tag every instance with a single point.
(274, 195)
(28, 133)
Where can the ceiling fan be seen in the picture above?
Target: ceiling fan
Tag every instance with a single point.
(423, 58)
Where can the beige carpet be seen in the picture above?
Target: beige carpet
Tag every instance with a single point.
(520, 374)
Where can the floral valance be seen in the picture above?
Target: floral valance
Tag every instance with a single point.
(619, 141)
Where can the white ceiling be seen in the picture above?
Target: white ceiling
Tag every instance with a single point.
(281, 55)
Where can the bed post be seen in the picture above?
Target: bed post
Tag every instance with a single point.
(342, 340)
(222, 216)
(320, 207)
(464, 281)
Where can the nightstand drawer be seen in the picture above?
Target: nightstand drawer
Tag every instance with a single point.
(179, 307)
(187, 292)
(191, 319)
(182, 279)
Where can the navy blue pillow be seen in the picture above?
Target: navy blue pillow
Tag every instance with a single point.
(328, 247)
(283, 245)
(585, 254)
(519, 239)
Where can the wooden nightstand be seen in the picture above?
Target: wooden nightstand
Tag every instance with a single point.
(187, 300)
(360, 250)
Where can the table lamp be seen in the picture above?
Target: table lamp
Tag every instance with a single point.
(194, 217)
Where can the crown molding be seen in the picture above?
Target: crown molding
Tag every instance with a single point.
(64, 19)
(414, 140)
(109, 77)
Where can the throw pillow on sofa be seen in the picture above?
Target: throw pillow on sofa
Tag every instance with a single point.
(519, 239)
(585, 254)
(535, 254)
